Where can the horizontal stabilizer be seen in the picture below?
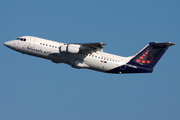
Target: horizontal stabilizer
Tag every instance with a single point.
(161, 45)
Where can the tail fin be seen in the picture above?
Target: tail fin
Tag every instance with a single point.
(150, 54)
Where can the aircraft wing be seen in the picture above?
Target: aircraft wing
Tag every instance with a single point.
(92, 47)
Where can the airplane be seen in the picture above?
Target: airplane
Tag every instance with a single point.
(90, 55)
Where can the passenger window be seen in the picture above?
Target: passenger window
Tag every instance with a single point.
(40, 43)
(53, 46)
(49, 45)
(43, 44)
(24, 39)
(46, 44)
(21, 39)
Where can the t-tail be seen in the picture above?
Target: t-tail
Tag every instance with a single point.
(145, 60)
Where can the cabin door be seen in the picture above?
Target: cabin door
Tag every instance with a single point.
(32, 42)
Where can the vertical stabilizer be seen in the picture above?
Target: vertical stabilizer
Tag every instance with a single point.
(150, 54)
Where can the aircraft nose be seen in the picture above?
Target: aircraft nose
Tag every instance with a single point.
(10, 44)
(7, 43)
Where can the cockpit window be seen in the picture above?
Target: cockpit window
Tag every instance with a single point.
(21, 39)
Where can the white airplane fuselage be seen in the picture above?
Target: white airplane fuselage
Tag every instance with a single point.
(94, 60)
(48, 49)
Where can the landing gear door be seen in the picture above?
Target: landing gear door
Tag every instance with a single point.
(32, 42)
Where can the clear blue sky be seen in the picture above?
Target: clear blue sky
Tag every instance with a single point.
(32, 88)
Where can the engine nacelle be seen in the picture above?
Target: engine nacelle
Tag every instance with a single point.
(63, 49)
(79, 63)
(71, 48)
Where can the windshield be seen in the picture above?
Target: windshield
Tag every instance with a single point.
(21, 39)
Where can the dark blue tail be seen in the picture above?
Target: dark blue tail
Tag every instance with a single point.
(150, 54)
(145, 60)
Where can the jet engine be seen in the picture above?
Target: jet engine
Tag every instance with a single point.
(79, 63)
(71, 48)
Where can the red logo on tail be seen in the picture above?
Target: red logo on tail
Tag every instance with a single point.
(141, 58)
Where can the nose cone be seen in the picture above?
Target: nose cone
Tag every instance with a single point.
(10, 44)
(7, 44)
